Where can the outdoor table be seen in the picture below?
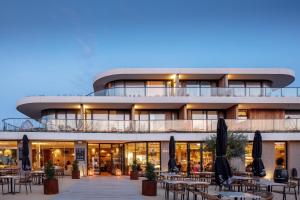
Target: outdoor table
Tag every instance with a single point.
(38, 176)
(269, 184)
(168, 183)
(242, 178)
(167, 175)
(238, 195)
(10, 179)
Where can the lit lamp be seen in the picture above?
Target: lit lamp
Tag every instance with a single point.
(118, 172)
(91, 172)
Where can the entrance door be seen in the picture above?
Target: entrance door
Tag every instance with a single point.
(105, 158)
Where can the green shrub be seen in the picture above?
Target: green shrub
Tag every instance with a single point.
(150, 174)
(75, 165)
(134, 166)
(50, 171)
(236, 144)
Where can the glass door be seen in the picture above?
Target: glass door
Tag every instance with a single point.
(105, 158)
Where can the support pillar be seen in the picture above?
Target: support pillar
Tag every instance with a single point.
(164, 156)
(80, 149)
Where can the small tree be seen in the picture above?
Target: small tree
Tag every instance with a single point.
(75, 165)
(50, 171)
(236, 144)
(134, 166)
(150, 174)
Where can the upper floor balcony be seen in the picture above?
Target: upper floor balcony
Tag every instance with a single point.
(199, 92)
(150, 126)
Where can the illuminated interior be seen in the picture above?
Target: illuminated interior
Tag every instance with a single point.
(8, 154)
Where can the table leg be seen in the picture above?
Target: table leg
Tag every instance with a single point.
(298, 186)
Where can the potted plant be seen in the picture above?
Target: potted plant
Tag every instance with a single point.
(134, 173)
(75, 170)
(50, 183)
(149, 186)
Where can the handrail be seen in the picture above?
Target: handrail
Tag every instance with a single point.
(152, 126)
(199, 91)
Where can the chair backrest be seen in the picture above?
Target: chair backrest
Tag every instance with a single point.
(294, 172)
(207, 196)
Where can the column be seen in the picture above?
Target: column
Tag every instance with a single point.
(223, 82)
(293, 156)
(268, 157)
(164, 155)
(80, 148)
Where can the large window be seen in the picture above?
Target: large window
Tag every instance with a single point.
(280, 152)
(8, 154)
(154, 154)
(248, 157)
(156, 88)
(60, 153)
(181, 156)
(142, 152)
(196, 155)
(204, 120)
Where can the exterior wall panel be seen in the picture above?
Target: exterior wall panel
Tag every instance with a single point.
(266, 114)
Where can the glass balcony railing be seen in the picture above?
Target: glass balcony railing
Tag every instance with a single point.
(197, 92)
(155, 126)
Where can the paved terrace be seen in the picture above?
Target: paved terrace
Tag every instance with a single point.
(100, 188)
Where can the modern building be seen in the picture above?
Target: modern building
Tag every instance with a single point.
(133, 112)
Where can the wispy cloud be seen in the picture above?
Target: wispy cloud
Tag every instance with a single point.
(87, 49)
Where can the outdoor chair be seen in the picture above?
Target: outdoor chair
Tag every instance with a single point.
(206, 196)
(160, 180)
(197, 190)
(179, 189)
(249, 186)
(4, 182)
(295, 178)
(265, 195)
(288, 189)
(25, 180)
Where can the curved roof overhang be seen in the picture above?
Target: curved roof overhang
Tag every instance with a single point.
(279, 77)
(33, 106)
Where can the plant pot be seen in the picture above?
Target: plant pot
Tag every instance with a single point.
(149, 188)
(134, 175)
(51, 186)
(76, 174)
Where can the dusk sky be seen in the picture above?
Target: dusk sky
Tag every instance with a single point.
(58, 47)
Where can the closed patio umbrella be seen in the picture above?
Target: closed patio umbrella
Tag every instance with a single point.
(25, 154)
(172, 163)
(258, 167)
(223, 172)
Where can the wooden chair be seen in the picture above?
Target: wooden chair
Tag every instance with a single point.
(287, 190)
(206, 196)
(265, 195)
(179, 189)
(4, 182)
(25, 180)
(198, 189)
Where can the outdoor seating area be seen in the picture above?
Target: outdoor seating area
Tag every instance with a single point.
(15, 180)
(202, 186)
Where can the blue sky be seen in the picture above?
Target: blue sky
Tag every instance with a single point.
(57, 47)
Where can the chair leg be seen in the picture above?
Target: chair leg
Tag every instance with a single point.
(30, 187)
(295, 194)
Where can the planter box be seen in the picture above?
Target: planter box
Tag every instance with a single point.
(134, 175)
(51, 186)
(149, 188)
(76, 174)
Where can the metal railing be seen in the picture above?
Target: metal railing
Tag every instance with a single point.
(155, 126)
(199, 91)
